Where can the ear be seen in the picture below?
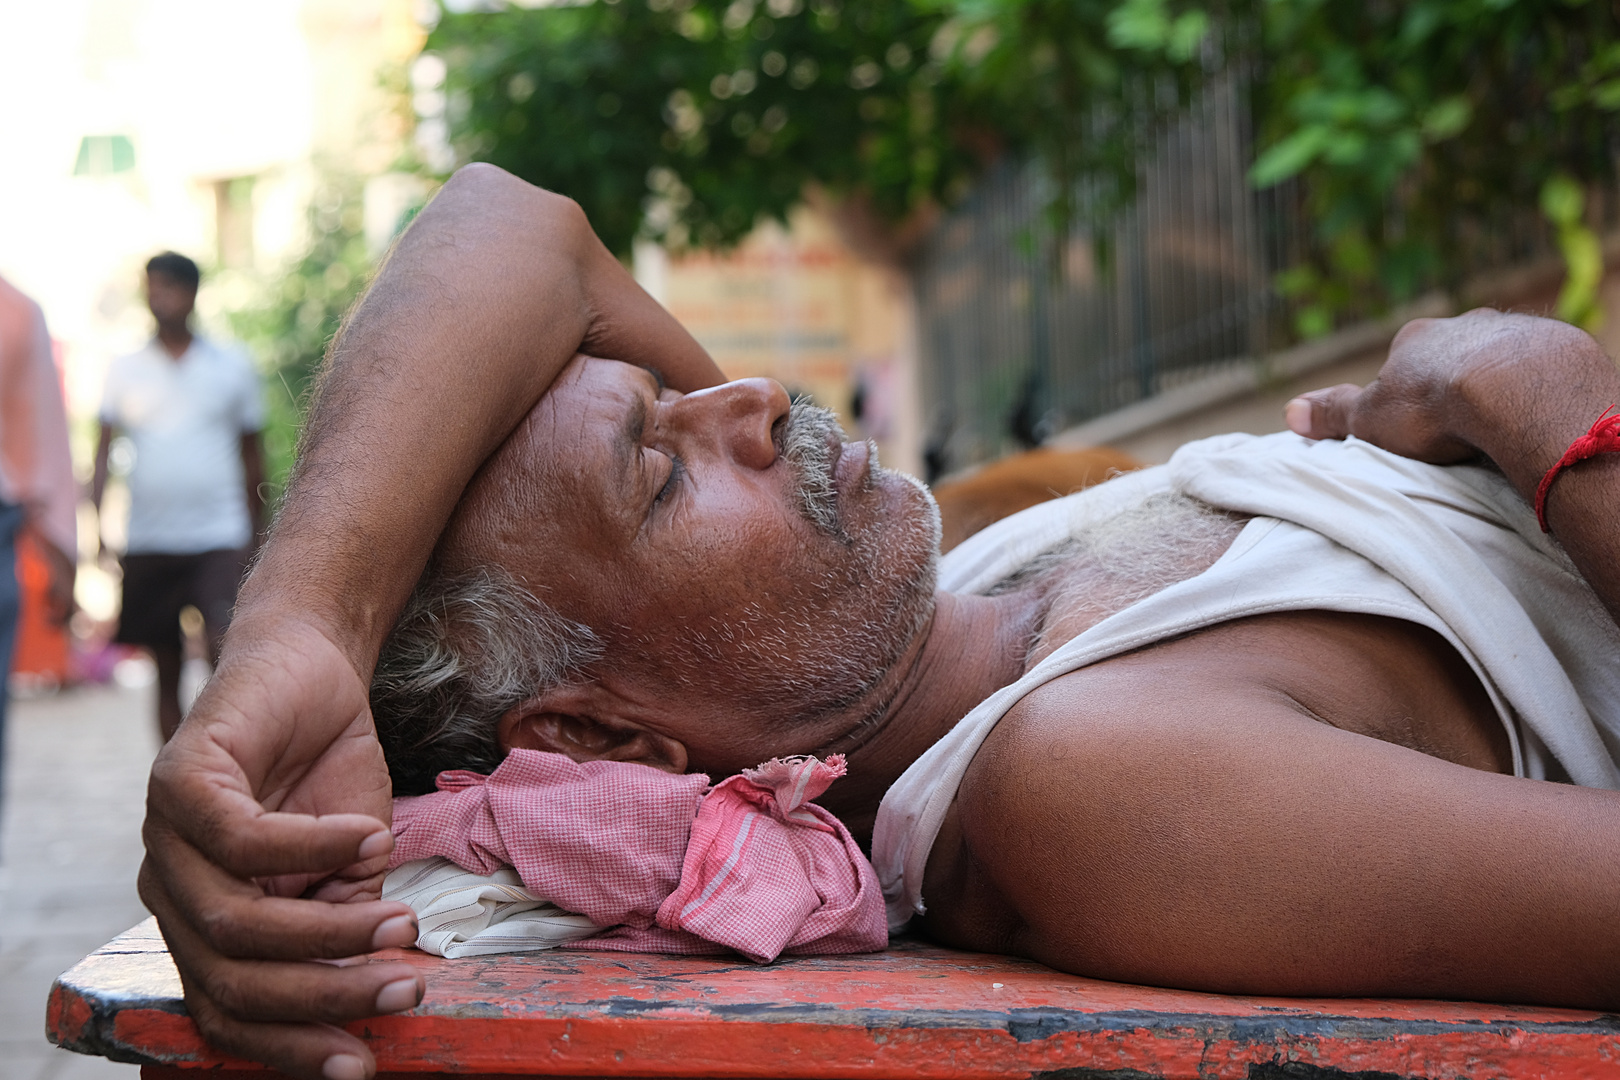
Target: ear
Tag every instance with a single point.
(587, 723)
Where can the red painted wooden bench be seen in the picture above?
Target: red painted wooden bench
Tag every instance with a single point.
(913, 1011)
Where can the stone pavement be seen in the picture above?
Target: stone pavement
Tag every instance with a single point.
(75, 789)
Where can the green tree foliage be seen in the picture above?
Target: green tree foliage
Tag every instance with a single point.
(689, 120)
(1419, 133)
(1564, 203)
(296, 312)
(1425, 131)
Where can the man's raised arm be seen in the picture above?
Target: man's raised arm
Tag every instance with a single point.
(267, 814)
(496, 286)
(1515, 388)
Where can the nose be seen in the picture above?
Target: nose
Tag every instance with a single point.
(739, 417)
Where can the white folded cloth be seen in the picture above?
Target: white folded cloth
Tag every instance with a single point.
(464, 914)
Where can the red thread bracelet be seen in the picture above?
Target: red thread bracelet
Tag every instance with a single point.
(1602, 437)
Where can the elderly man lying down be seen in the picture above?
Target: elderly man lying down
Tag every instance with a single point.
(1248, 722)
(1280, 717)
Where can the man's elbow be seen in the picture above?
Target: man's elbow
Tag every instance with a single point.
(479, 180)
(483, 185)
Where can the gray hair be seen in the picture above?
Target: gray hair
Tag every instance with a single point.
(468, 647)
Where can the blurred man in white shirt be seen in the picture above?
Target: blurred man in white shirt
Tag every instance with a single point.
(192, 410)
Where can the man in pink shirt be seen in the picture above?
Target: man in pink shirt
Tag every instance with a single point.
(37, 489)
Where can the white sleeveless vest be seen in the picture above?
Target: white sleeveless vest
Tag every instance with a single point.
(1338, 526)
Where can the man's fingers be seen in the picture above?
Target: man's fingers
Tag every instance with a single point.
(306, 1051)
(235, 832)
(1323, 414)
(279, 1012)
(265, 991)
(235, 918)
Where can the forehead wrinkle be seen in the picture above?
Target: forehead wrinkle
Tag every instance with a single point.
(607, 432)
(501, 495)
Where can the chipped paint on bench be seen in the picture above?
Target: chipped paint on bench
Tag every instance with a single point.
(913, 1011)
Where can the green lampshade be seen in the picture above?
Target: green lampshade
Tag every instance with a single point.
(104, 155)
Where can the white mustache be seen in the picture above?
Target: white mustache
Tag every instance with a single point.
(808, 439)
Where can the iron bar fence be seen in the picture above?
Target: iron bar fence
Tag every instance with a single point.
(1023, 333)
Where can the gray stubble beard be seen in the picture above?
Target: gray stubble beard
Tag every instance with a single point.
(819, 654)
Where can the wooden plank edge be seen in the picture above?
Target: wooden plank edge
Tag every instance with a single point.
(1055, 1045)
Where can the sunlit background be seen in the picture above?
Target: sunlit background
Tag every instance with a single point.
(972, 227)
(213, 129)
(282, 144)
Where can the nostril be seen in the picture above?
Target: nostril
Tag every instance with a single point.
(779, 433)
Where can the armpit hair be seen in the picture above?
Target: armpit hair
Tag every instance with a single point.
(468, 647)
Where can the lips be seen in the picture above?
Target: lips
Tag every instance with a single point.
(851, 466)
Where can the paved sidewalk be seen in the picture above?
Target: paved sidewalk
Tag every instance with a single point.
(74, 794)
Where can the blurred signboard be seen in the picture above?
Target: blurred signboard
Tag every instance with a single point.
(797, 305)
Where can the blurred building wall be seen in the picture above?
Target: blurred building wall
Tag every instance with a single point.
(199, 125)
(227, 106)
(798, 305)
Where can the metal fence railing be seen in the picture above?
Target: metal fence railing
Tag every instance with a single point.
(1021, 337)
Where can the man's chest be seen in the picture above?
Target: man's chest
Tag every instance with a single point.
(157, 399)
(1126, 561)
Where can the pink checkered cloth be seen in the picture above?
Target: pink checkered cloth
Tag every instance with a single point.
(752, 865)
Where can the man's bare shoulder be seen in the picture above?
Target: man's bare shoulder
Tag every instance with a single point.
(1041, 783)
(1170, 817)
(1219, 688)
(1086, 717)
(1070, 806)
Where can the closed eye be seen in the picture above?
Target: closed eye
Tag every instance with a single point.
(677, 473)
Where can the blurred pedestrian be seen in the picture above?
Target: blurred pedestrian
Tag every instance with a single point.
(37, 489)
(191, 408)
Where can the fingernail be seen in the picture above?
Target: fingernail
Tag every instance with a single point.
(378, 843)
(395, 933)
(1297, 415)
(343, 1067)
(398, 996)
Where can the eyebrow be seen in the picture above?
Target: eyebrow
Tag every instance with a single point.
(634, 427)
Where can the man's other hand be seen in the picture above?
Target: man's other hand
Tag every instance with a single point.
(1514, 388)
(62, 572)
(1448, 385)
(266, 838)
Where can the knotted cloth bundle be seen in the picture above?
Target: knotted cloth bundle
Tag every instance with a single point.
(659, 862)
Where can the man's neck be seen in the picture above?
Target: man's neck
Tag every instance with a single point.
(175, 338)
(973, 646)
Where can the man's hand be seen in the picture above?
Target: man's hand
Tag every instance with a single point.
(1485, 382)
(1411, 408)
(61, 574)
(266, 836)
(1514, 388)
(98, 481)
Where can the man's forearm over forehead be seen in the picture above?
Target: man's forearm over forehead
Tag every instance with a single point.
(492, 290)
